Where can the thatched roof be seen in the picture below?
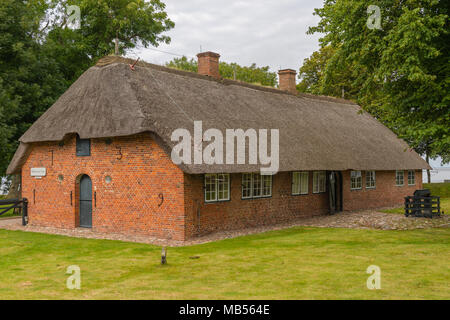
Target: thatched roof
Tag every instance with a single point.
(316, 133)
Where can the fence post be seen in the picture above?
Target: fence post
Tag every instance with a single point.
(25, 212)
(439, 206)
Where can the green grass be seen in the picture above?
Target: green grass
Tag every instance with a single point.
(298, 263)
(438, 189)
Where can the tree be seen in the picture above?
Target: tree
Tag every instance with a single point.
(105, 27)
(41, 56)
(401, 69)
(316, 79)
(251, 74)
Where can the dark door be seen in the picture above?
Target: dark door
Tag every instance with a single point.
(86, 202)
(335, 191)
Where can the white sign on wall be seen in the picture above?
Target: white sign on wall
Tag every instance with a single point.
(38, 172)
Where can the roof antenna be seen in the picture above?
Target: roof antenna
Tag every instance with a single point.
(201, 49)
(134, 64)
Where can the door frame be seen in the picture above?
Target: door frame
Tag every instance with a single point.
(80, 200)
(339, 199)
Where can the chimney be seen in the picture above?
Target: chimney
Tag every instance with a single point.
(287, 80)
(208, 64)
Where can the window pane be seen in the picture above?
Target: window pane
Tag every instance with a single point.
(370, 179)
(267, 186)
(319, 181)
(257, 185)
(399, 178)
(304, 183)
(246, 185)
(83, 147)
(210, 188)
(316, 182)
(322, 181)
(223, 184)
(411, 178)
(296, 183)
(356, 180)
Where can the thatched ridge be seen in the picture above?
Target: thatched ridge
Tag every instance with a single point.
(316, 133)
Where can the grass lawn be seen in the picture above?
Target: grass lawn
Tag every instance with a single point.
(298, 263)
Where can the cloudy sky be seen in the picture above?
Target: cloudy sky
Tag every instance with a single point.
(264, 32)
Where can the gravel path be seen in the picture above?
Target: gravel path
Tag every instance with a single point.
(352, 220)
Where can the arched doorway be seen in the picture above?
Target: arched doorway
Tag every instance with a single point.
(86, 202)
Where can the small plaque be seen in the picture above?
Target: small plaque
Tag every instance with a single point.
(38, 172)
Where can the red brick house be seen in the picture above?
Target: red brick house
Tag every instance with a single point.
(100, 157)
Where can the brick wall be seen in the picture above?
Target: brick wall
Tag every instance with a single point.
(140, 172)
(386, 193)
(203, 218)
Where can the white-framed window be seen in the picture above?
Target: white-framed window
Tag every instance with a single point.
(400, 178)
(370, 180)
(267, 186)
(319, 181)
(355, 180)
(300, 183)
(247, 185)
(255, 185)
(411, 177)
(217, 187)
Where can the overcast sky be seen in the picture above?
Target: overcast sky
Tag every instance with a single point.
(264, 32)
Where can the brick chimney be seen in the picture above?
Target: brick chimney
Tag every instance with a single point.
(208, 64)
(288, 80)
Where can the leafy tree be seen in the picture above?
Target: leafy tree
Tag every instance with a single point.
(251, 74)
(316, 79)
(29, 81)
(41, 55)
(105, 27)
(401, 70)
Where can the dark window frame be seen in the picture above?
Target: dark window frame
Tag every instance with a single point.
(83, 147)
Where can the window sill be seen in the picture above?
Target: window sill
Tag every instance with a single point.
(257, 198)
(217, 201)
(300, 194)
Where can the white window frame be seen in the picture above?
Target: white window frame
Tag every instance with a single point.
(397, 176)
(413, 178)
(262, 180)
(354, 185)
(368, 173)
(216, 185)
(247, 185)
(298, 183)
(319, 182)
